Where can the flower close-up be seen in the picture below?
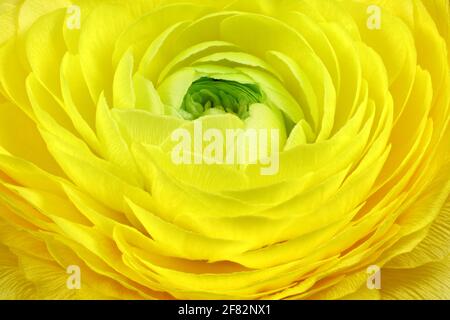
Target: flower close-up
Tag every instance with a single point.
(225, 149)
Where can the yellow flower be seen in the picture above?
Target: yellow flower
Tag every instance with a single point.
(116, 179)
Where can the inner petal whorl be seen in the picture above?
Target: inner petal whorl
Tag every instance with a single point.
(208, 96)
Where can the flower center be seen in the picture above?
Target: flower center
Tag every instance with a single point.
(208, 96)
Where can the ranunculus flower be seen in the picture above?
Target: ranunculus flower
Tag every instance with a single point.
(96, 98)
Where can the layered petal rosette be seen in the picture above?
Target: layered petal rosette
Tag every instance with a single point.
(119, 157)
